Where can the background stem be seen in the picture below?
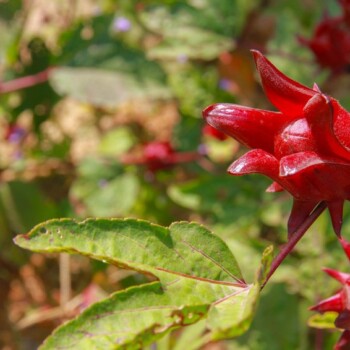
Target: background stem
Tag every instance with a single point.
(65, 279)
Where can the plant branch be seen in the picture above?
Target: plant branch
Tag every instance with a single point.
(65, 280)
(295, 238)
(25, 82)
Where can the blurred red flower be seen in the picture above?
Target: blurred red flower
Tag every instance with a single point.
(159, 155)
(331, 40)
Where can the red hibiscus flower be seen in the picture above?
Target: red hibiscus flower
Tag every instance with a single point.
(331, 40)
(304, 148)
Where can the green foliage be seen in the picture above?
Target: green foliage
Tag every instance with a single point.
(198, 277)
(63, 147)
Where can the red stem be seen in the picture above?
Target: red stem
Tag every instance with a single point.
(295, 238)
(25, 82)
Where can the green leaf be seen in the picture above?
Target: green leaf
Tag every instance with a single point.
(324, 321)
(195, 29)
(103, 189)
(25, 205)
(106, 198)
(241, 305)
(265, 264)
(198, 277)
(116, 142)
(128, 319)
(104, 70)
(185, 248)
(105, 88)
(192, 43)
(218, 197)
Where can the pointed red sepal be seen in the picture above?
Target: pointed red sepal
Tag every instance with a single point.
(300, 211)
(344, 342)
(255, 161)
(336, 211)
(245, 124)
(284, 93)
(342, 277)
(316, 88)
(346, 246)
(275, 187)
(334, 303)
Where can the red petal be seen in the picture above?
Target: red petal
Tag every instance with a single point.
(255, 161)
(286, 94)
(300, 211)
(298, 162)
(252, 127)
(339, 276)
(334, 303)
(336, 212)
(319, 111)
(313, 177)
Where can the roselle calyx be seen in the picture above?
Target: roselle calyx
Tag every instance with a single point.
(330, 42)
(339, 302)
(304, 147)
(159, 155)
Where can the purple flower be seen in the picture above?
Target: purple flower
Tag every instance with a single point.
(121, 24)
(15, 134)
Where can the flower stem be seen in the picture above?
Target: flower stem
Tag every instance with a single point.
(295, 238)
(25, 82)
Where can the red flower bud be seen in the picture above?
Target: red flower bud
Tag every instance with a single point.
(304, 148)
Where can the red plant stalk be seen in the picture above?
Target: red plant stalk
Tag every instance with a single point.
(294, 239)
(25, 82)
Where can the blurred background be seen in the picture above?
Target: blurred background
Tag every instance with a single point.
(100, 116)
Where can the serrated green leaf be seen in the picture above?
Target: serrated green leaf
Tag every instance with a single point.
(127, 320)
(198, 277)
(185, 248)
